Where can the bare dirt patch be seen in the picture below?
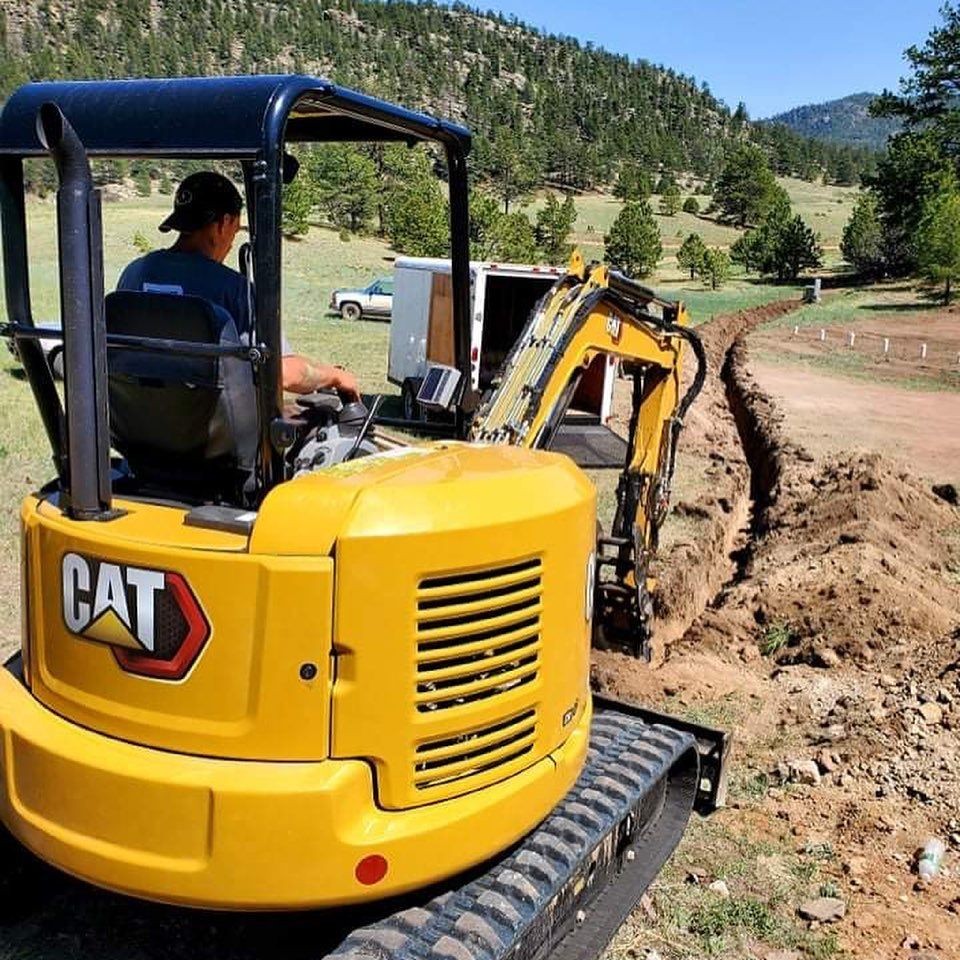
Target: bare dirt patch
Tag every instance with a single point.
(920, 430)
(914, 348)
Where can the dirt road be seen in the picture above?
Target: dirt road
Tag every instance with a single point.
(920, 430)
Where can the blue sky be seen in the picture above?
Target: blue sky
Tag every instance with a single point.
(771, 54)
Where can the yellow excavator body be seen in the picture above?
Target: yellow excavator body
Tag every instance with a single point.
(277, 660)
(399, 650)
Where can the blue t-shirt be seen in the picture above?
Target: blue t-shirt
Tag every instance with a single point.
(193, 274)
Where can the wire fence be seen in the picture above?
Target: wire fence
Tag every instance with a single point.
(934, 354)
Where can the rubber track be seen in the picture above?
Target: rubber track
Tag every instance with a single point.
(540, 900)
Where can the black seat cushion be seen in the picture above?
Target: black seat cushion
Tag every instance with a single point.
(180, 421)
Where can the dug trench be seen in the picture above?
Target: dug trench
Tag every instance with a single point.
(725, 479)
(813, 607)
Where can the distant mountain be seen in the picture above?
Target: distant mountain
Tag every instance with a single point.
(846, 120)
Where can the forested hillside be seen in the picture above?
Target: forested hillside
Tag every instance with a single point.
(546, 109)
(846, 121)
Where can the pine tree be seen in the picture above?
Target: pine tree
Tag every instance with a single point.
(745, 187)
(691, 253)
(670, 201)
(417, 219)
(345, 183)
(746, 250)
(716, 267)
(513, 168)
(912, 169)
(862, 242)
(298, 203)
(484, 214)
(797, 247)
(513, 238)
(633, 182)
(141, 180)
(938, 239)
(554, 222)
(633, 243)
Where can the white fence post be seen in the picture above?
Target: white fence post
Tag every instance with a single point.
(886, 345)
(823, 335)
(796, 329)
(852, 337)
(923, 351)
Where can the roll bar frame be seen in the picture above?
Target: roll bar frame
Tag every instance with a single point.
(242, 118)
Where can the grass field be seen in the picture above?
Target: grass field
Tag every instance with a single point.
(825, 208)
(898, 298)
(315, 265)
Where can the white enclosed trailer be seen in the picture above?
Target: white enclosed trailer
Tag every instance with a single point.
(502, 296)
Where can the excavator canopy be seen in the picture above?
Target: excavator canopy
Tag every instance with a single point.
(244, 118)
(213, 116)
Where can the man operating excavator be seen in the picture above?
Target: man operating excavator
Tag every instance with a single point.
(206, 215)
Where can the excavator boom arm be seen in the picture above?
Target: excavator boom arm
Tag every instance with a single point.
(584, 315)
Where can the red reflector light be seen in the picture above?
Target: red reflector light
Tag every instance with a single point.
(475, 354)
(371, 870)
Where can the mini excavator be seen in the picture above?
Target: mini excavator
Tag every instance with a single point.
(279, 662)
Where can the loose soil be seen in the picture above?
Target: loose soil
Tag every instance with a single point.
(834, 638)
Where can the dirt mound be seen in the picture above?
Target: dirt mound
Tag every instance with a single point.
(813, 607)
(856, 561)
(850, 554)
(695, 565)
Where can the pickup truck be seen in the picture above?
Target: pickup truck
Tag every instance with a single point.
(375, 300)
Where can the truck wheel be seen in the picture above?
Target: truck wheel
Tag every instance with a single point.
(408, 399)
(56, 364)
(351, 311)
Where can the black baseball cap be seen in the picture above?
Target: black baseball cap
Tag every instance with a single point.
(200, 199)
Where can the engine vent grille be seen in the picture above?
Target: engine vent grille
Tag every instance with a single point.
(453, 758)
(478, 634)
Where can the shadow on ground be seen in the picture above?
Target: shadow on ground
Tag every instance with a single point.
(70, 919)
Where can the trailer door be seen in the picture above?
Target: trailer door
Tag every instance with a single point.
(508, 301)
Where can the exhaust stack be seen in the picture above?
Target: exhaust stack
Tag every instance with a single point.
(87, 494)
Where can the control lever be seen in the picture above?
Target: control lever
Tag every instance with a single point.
(367, 423)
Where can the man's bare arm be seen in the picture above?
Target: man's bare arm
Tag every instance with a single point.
(303, 375)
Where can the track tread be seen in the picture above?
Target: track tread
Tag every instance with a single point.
(489, 917)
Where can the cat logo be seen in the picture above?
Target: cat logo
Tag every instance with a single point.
(149, 618)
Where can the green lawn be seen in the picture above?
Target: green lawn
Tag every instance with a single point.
(825, 208)
(861, 303)
(315, 265)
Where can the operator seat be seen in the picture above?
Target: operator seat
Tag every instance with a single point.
(185, 425)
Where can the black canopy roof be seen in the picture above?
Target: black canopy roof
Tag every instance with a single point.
(213, 116)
